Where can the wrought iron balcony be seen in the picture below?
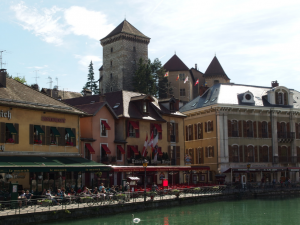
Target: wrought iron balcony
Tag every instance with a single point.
(285, 136)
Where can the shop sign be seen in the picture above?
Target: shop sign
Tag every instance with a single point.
(5, 114)
(52, 119)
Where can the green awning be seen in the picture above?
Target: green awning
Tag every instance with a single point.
(39, 129)
(10, 164)
(11, 128)
(71, 134)
(55, 131)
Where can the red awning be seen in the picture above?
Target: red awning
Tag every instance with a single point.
(106, 149)
(121, 149)
(90, 148)
(158, 127)
(159, 151)
(136, 152)
(157, 168)
(105, 124)
(135, 126)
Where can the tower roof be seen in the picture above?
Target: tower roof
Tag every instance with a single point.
(215, 69)
(175, 64)
(127, 28)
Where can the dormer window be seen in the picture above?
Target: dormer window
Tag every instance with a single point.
(281, 97)
(171, 106)
(248, 97)
(145, 107)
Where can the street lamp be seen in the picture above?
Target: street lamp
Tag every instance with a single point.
(145, 164)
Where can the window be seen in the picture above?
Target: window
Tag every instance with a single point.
(11, 132)
(103, 128)
(119, 154)
(216, 81)
(182, 92)
(111, 89)
(182, 76)
(37, 134)
(111, 63)
(200, 130)
(172, 132)
(53, 136)
(209, 126)
(200, 156)
(69, 137)
(235, 131)
(134, 48)
(172, 106)
(145, 107)
(112, 49)
(283, 153)
(190, 132)
(235, 153)
(87, 154)
(248, 96)
(133, 129)
(249, 154)
(210, 151)
(103, 154)
(249, 128)
(264, 154)
(111, 76)
(264, 129)
(280, 98)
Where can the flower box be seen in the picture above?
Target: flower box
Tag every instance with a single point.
(45, 202)
(10, 140)
(175, 192)
(37, 142)
(69, 143)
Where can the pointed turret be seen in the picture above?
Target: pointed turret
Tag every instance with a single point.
(215, 73)
(175, 64)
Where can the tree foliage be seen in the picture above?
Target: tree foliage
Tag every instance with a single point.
(91, 84)
(20, 79)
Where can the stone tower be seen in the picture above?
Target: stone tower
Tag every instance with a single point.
(122, 49)
(215, 74)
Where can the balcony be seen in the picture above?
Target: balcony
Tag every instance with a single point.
(235, 133)
(285, 136)
(172, 138)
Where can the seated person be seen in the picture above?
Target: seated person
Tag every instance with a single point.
(101, 186)
(22, 196)
(103, 191)
(95, 192)
(72, 192)
(120, 188)
(79, 190)
(44, 192)
(49, 196)
(60, 194)
(86, 191)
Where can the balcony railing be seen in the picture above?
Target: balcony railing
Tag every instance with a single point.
(286, 135)
(235, 133)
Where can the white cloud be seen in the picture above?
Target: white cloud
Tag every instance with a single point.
(86, 22)
(43, 23)
(85, 60)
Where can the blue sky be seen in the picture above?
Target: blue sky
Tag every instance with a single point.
(255, 41)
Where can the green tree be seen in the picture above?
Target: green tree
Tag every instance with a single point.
(20, 79)
(91, 84)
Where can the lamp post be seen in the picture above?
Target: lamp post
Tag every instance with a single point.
(145, 164)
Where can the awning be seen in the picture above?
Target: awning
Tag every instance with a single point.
(70, 132)
(55, 131)
(11, 164)
(121, 149)
(106, 149)
(11, 128)
(105, 124)
(136, 152)
(133, 178)
(134, 125)
(158, 128)
(39, 129)
(90, 148)
(156, 168)
(159, 151)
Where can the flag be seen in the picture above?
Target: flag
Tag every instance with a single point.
(155, 147)
(150, 143)
(144, 152)
(177, 78)
(197, 82)
(186, 79)
(166, 74)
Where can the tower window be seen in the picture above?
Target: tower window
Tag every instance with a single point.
(112, 49)
(110, 63)
(182, 92)
(111, 76)
(134, 49)
(111, 88)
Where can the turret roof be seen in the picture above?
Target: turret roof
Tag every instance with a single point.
(215, 68)
(175, 64)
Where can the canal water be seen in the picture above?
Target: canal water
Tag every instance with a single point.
(254, 211)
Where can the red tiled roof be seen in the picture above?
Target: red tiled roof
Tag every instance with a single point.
(175, 64)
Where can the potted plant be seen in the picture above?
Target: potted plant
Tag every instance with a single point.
(10, 140)
(196, 190)
(69, 143)
(175, 192)
(45, 202)
(86, 199)
(53, 142)
(151, 194)
(120, 197)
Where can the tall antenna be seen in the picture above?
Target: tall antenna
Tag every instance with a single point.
(1, 63)
(36, 77)
(56, 82)
(50, 82)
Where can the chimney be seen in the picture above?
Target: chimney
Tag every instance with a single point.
(102, 98)
(202, 89)
(3, 78)
(275, 83)
(87, 92)
(196, 66)
(35, 87)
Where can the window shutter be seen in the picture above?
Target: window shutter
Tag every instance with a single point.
(31, 136)
(286, 100)
(16, 125)
(254, 129)
(160, 133)
(127, 126)
(192, 130)
(205, 126)
(230, 153)
(288, 127)
(195, 128)
(201, 130)
(43, 136)
(259, 129)
(197, 156)
(212, 125)
(241, 158)
(278, 127)
(128, 151)
(169, 152)
(137, 131)
(61, 138)
(245, 153)
(255, 154)
(279, 151)
(177, 155)
(270, 154)
(2, 132)
(240, 129)
(289, 156)
(229, 128)
(168, 132)
(244, 128)
(296, 129)
(260, 153)
(186, 133)
(270, 129)
(47, 136)
(213, 151)
(74, 139)
(276, 98)
(176, 132)
(206, 152)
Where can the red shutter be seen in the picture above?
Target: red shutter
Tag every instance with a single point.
(212, 125)
(255, 154)
(270, 129)
(254, 129)
(195, 128)
(230, 153)
(160, 133)
(270, 154)
(259, 129)
(241, 153)
(186, 133)
(137, 131)
(229, 128)
(244, 128)
(205, 126)
(240, 129)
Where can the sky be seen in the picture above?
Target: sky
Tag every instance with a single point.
(256, 41)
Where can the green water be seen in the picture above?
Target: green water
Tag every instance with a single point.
(243, 212)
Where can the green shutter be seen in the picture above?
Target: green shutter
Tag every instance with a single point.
(11, 128)
(55, 131)
(70, 132)
(39, 129)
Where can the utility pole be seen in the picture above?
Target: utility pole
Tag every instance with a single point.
(1, 63)
(36, 77)
(50, 82)
(56, 82)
